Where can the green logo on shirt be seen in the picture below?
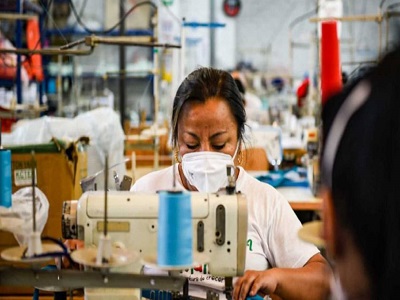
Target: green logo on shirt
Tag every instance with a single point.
(250, 244)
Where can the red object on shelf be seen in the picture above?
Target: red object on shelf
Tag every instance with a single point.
(7, 121)
(6, 124)
(331, 74)
(33, 64)
(302, 92)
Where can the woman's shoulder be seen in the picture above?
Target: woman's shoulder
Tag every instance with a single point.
(154, 181)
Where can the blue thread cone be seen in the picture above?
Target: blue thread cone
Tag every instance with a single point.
(174, 244)
(5, 178)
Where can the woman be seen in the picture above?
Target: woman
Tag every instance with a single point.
(208, 122)
(360, 166)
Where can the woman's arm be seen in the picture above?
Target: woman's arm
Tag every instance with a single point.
(309, 282)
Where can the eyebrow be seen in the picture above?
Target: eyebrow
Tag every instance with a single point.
(212, 137)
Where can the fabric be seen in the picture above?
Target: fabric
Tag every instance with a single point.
(272, 239)
(293, 177)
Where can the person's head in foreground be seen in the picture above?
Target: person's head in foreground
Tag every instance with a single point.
(361, 183)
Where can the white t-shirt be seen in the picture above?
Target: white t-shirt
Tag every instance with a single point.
(272, 238)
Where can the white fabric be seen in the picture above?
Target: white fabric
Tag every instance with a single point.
(254, 109)
(252, 101)
(17, 219)
(272, 224)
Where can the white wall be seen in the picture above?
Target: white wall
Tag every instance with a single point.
(198, 39)
(225, 39)
(262, 34)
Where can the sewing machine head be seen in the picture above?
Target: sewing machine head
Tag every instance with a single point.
(219, 225)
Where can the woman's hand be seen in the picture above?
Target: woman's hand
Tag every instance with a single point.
(256, 282)
(308, 282)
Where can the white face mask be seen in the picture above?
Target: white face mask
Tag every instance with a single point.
(206, 170)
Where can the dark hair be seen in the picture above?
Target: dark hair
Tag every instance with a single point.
(240, 86)
(203, 84)
(365, 180)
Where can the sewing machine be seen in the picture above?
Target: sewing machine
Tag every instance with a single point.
(219, 228)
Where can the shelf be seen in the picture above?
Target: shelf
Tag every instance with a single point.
(361, 18)
(7, 83)
(14, 16)
(22, 111)
(74, 31)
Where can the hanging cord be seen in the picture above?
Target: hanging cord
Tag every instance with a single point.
(393, 5)
(381, 4)
(83, 7)
(304, 16)
(107, 31)
(177, 19)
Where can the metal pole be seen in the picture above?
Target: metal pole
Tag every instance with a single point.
(18, 44)
(105, 195)
(291, 58)
(41, 85)
(33, 170)
(212, 34)
(156, 92)
(59, 87)
(387, 19)
(122, 63)
(380, 37)
(183, 50)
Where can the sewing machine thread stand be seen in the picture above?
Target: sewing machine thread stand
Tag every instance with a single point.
(104, 248)
(34, 241)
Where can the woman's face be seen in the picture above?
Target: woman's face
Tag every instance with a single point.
(208, 126)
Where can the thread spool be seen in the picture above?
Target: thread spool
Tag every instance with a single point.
(174, 244)
(5, 178)
(331, 74)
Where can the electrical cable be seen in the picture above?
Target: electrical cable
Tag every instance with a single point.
(177, 19)
(83, 7)
(107, 31)
(393, 5)
(54, 254)
(304, 16)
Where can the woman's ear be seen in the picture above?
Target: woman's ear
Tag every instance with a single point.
(331, 231)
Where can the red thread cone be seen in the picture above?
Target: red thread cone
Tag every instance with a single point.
(331, 74)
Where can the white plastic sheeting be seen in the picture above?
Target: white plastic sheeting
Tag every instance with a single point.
(101, 125)
(18, 219)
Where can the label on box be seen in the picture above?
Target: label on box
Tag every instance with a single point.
(23, 177)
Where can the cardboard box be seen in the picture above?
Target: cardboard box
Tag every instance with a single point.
(59, 169)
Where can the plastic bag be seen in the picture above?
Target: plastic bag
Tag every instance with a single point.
(18, 218)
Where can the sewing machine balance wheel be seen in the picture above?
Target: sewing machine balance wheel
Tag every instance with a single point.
(119, 257)
(17, 254)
